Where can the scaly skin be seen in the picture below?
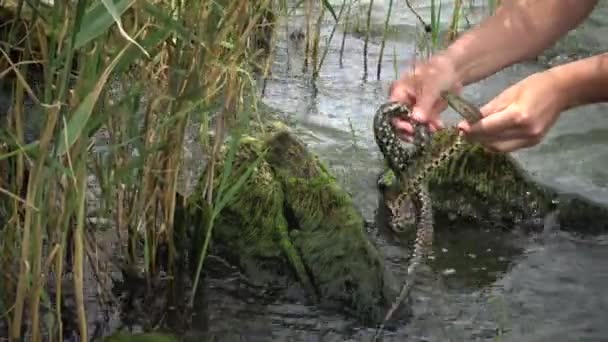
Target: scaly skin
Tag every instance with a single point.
(412, 168)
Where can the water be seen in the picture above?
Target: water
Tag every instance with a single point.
(498, 286)
(550, 287)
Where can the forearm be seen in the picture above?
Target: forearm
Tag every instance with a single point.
(582, 82)
(520, 29)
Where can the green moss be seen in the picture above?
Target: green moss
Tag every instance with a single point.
(492, 189)
(292, 211)
(344, 264)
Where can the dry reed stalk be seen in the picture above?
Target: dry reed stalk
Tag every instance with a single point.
(308, 43)
(315, 43)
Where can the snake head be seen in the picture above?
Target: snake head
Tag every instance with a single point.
(384, 131)
(402, 215)
(389, 110)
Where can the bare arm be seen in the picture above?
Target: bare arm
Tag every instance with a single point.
(582, 82)
(520, 29)
(523, 114)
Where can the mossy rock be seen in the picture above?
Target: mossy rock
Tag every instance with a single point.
(291, 218)
(492, 190)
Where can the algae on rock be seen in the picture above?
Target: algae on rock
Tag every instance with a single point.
(486, 189)
(292, 214)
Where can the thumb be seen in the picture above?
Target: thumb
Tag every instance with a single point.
(491, 107)
(423, 108)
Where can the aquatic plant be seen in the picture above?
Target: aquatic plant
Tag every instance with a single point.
(100, 97)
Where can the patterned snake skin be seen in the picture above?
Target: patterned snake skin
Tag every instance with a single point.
(413, 166)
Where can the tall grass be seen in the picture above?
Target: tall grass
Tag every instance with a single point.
(101, 96)
(134, 73)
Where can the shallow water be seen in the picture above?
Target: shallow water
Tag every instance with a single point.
(549, 287)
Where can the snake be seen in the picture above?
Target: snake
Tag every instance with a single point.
(412, 168)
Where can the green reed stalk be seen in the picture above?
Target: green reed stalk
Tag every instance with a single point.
(367, 33)
(435, 26)
(493, 5)
(454, 24)
(395, 64)
(331, 35)
(384, 35)
(346, 26)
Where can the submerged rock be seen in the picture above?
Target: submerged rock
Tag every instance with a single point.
(492, 191)
(292, 219)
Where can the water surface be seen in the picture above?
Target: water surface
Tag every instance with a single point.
(550, 287)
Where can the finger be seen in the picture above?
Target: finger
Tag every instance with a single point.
(406, 137)
(402, 126)
(400, 92)
(498, 125)
(426, 104)
(436, 125)
(493, 144)
(480, 135)
(507, 141)
(437, 109)
(511, 145)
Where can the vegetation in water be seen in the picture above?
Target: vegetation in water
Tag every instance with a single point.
(102, 97)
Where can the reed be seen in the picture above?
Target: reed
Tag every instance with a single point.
(384, 36)
(101, 95)
(367, 34)
(132, 74)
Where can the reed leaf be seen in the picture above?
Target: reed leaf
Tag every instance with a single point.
(82, 114)
(98, 20)
(330, 8)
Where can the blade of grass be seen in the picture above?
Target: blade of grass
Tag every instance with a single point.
(215, 211)
(329, 7)
(116, 16)
(99, 20)
(83, 113)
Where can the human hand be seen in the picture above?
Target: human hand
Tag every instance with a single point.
(421, 91)
(521, 115)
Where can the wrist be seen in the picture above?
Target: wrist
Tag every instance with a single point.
(455, 56)
(469, 60)
(445, 64)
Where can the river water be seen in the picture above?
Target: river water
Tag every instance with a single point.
(550, 287)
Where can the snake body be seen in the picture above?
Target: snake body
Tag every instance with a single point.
(413, 167)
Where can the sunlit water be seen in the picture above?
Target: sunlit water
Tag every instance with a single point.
(550, 287)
